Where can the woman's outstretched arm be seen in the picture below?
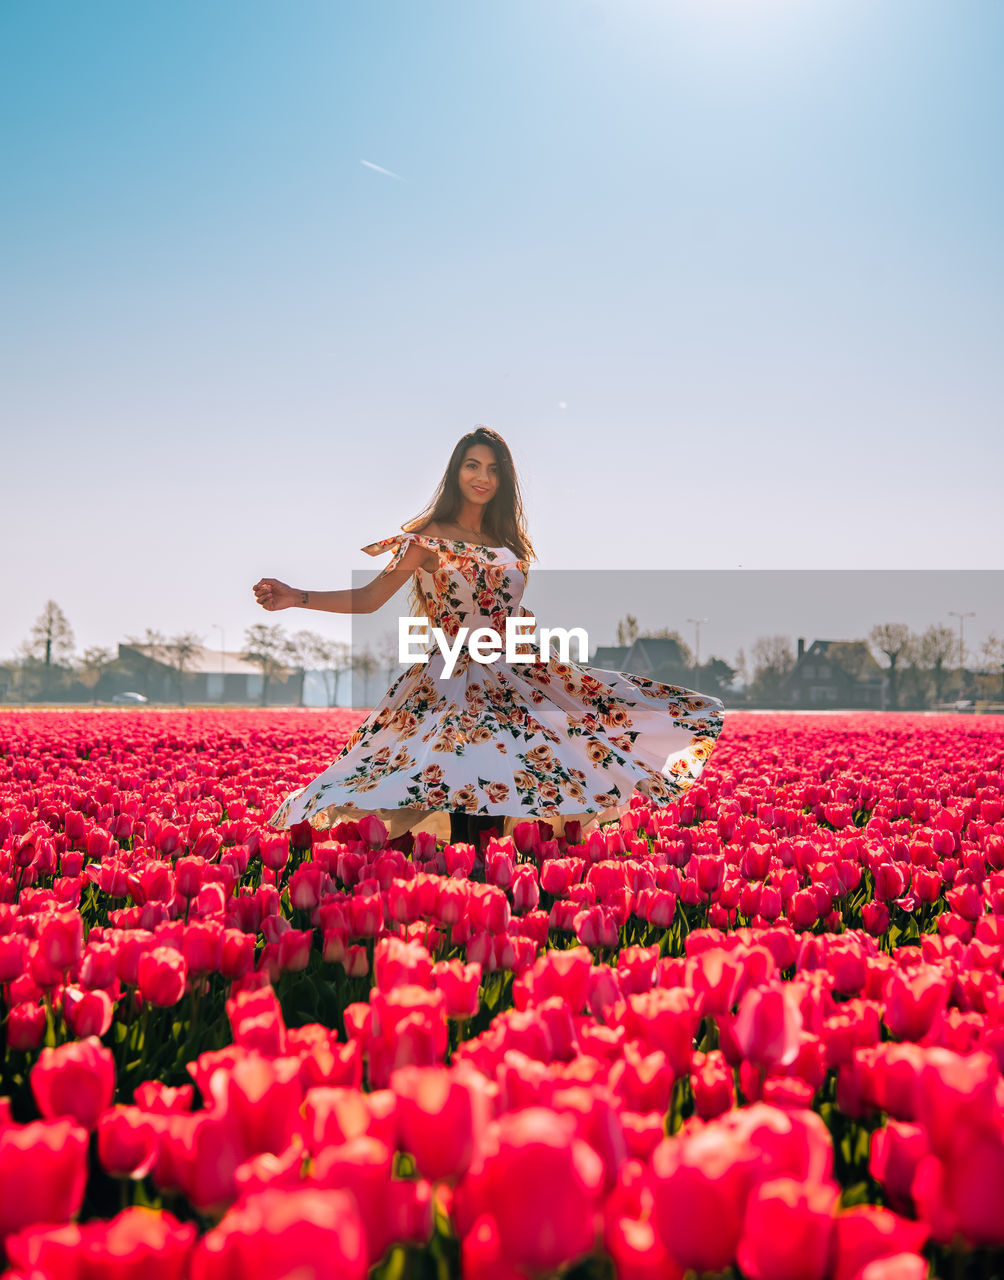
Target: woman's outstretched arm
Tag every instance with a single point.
(272, 594)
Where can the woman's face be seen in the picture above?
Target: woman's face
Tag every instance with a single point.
(479, 480)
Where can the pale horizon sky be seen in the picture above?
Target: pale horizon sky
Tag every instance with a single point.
(728, 276)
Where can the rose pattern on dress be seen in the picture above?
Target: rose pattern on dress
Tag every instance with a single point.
(547, 738)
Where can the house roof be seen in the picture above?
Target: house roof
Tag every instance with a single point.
(202, 661)
(852, 657)
(659, 644)
(609, 657)
(659, 652)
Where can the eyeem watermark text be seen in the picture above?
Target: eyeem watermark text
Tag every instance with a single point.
(486, 645)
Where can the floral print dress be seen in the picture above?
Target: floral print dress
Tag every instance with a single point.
(546, 738)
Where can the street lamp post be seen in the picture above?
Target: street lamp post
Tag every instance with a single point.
(697, 639)
(952, 613)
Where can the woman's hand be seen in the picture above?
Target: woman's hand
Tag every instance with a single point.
(273, 594)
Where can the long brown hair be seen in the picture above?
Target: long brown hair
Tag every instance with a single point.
(503, 523)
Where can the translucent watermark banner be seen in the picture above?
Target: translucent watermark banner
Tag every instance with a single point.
(776, 639)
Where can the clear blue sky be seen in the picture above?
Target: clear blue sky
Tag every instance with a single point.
(727, 274)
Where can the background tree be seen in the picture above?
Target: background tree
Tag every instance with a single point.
(387, 653)
(627, 630)
(331, 658)
(51, 639)
(364, 664)
(50, 643)
(741, 668)
(304, 652)
(179, 651)
(992, 655)
(934, 650)
(772, 660)
(715, 676)
(153, 644)
(8, 679)
(26, 672)
(266, 647)
(92, 662)
(893, 640)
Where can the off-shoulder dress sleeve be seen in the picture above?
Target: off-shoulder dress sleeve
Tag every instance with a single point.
(399, 543)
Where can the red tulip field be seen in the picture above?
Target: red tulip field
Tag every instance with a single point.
(758, 1032)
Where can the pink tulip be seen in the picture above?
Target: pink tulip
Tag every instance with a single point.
(530, 1158)
(767, 1027)
(787, 1230)
(43, 1173)
(75, 1079)
(162, 975)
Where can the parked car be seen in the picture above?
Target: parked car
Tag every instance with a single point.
(129, 696)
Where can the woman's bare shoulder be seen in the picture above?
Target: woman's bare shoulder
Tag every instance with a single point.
(431, 530)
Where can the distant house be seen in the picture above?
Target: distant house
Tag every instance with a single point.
(660, 658)
(211, 675)
(610, 657)
(836, 673)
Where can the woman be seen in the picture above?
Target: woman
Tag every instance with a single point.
(493, 743)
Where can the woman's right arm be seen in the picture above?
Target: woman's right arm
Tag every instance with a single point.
(272, 594)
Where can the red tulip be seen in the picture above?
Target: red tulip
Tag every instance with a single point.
(787, 1229)
(372, 832)
(644, 1082)
(397, 963)
(285, 1233)
(896, 1151)
(712, 1085)
(666, 1019)
(75, 1079)
(87, 1013)
(437, 1120)
(306, 886)
(866, 1234)
(716, 980)
(771, 903)
(202, 946)
(25, 1026)
(301, 835)
(274, 849)
(13, 955)
(61, 940)
(43, 1173)
(637, 1252)
(530, 1158)
(710, 874)
(875, 918)
(489, 909)
(891, 881)
(803, 911)
(914, 999)
(189, 874)
(236, 953)
(597, 927)
(127, 1142)
(768, 1026)
(162, 975)
(525, 890)
(846, 965)
(366, 915)
(169, 840)
(526, 837)
(700, 1185)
